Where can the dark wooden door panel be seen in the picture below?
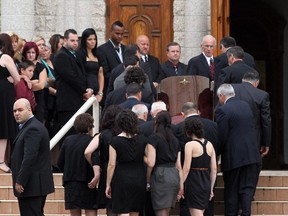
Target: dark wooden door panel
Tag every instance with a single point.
(150, 17)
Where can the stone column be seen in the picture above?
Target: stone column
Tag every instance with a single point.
(18, 16)
(196, 24)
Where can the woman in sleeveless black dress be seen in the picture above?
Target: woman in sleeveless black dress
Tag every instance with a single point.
(8, 127)
(199, 168)
(94, 71)
(126, 179)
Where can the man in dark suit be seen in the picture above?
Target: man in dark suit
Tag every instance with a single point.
(111, 53)
(30, 161)
(148, 127)
(237, 67)
(190, 111)
(134, 96)
(131, 57)
(141, 111)
(144, 44)
(173, 67)
(260, 105)
(239, 151)
(221, 61)
(71, 83)
(133, 74)
(203, 64)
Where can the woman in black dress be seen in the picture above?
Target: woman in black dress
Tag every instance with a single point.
(100, 145)
(94, 71)
(126, 184)
(163, 156)
(79, 180)
(199, 168)
(9, 77)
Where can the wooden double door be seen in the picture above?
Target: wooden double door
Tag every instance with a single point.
(153, 18)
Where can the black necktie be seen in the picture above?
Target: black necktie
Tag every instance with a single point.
(117, 49)
(146, 58)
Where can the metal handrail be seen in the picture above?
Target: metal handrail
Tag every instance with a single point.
(91, 101)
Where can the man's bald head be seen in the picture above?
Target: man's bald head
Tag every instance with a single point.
(22, 110)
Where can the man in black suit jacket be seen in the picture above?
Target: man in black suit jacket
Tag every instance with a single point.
(134, 96)
(133, 74)
(111, 53)
(190, 111)
(144, 44)
(239, 151)
(141, 111)
(237, 67)
(173, 67)
(221, 61)
(30, 161)
(260, 105)
(200, 65)
(71, 83)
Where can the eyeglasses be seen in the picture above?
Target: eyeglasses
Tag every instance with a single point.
(209, 46)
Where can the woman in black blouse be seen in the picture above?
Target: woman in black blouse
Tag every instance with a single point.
(163, 157)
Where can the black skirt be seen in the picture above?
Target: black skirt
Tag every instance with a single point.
(79, 196)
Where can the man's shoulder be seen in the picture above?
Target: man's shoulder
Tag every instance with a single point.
(153, 58)
(195, 60)
(104, 45)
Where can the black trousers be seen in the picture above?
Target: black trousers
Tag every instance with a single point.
(239, 188)
(32, 206)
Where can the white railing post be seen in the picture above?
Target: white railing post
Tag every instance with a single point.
(91, 101)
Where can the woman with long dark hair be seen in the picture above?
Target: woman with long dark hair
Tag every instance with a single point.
(9, 77)
(199, 168)
(94, 71)
(164, 171)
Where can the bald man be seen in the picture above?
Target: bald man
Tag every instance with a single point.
(144, 44)
(30, 161)
(200, 65)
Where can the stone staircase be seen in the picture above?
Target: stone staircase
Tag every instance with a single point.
(54, 203)
(271, 197)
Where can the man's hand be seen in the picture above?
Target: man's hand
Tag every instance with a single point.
(264, 150)
(19, 188)
(88, 94)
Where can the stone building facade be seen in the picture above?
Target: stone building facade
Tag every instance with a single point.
(47, 17)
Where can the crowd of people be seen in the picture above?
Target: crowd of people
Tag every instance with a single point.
(140, 162)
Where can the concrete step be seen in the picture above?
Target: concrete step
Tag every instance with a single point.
(56, 207)
(261, 194)
(271, 196)
(259, 208)
(267, 178)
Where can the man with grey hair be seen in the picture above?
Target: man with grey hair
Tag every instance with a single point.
(203, 64)
(148, 127)
(239, 151)
(141, 111)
